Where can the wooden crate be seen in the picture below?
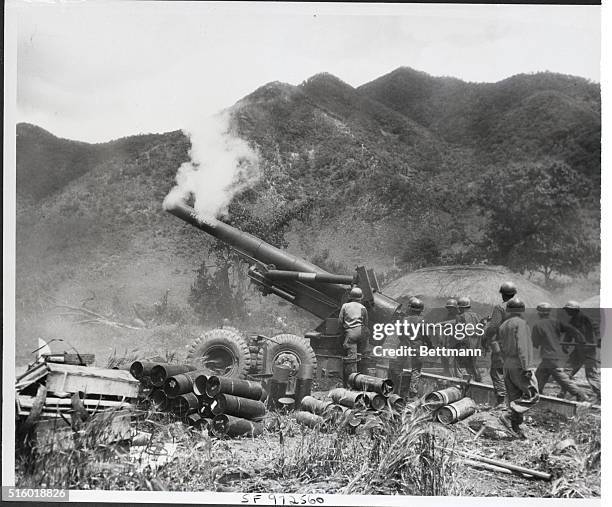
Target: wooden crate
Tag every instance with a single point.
(53, 405)
(88, 379)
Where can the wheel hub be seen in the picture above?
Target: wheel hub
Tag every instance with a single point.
(218, 360)
(288, 359)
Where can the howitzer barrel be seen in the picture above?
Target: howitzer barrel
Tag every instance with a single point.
(277, 274)
(243, 241)
(293, 275)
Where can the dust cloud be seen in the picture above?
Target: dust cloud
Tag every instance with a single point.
(221, 165)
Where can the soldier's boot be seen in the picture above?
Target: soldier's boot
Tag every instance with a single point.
(366, 363)
(508, 423)
(349, 366)
(519, 432)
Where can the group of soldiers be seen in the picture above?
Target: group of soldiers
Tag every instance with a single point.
(507, 337)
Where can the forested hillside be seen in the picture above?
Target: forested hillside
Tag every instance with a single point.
(407, 171)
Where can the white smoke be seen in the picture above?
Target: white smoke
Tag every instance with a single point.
(220, 166)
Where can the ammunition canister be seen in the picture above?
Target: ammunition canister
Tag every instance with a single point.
(236, 387)
(160, 372)
(238, 407)
(231, 426)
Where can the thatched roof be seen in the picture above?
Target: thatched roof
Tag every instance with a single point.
(480, 283)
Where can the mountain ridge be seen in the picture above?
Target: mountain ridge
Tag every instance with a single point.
(347, 179)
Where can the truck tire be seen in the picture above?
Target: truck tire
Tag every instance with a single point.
(286, 349)
(222, 352)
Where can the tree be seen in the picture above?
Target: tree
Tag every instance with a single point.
(537, 218)
(221, 287)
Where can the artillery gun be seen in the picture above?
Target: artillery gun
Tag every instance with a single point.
(274, 271)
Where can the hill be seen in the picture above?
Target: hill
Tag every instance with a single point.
(526, 115)
(388, 175)
(47, 163)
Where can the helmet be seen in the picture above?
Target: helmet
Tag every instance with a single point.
(451, 303)
(544, 308)
(416, 304)
(515, 305)
(356, 293)
(571, 305)
(508, 288)
(464, 302)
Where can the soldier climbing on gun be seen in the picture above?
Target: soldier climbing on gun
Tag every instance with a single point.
(353, 320)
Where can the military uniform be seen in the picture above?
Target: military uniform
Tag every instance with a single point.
(353, 319)
(447, 342)
(491, 341)
(521, 385)
(546, 335)
(397, 365)
(416, 362)
(585, 352)
(466, 365)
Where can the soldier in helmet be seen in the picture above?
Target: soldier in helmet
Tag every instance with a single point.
(353, 320)
(467, 364)
(546, 335)
(507, 291)
(521, 385)
(415, 310)
(585, 350)
(447, 341)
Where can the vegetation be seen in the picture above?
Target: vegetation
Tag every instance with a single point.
(402, 454)
(397, 174)
(536, 218)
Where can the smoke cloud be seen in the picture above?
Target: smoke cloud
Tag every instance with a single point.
(221, 166)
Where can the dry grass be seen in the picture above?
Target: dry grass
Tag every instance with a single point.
(396, 455)
(401, 454)
(409, 456)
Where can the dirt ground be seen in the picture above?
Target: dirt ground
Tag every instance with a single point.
(279, 461)
(289, 458)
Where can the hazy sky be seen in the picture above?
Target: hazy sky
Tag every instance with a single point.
(100, 70)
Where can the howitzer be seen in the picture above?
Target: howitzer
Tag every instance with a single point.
(303, 284)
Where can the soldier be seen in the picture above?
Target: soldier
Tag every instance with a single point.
(585, 350)
(415, 309)
(467, 364)
(447, 341)
(507, 291)
(546, 335)
(521, 385)
(353, 320)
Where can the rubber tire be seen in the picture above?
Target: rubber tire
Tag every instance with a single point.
(298, 346)
(231, 342)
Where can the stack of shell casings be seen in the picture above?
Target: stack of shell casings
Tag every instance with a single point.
(450, 405)
(367, 399)
(223, 405)
(153, 377)
(236, 406)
